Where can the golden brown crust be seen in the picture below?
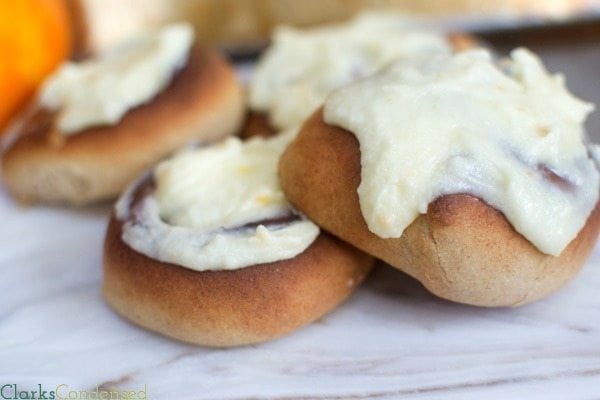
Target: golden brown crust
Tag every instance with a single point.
(203, 103)
(230, 308)
(257, 124)
(462, 249)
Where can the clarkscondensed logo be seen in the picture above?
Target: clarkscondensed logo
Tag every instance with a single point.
(12, 391)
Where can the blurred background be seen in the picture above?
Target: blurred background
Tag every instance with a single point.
(37, 35)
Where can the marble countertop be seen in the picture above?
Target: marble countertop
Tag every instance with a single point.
(390, 340)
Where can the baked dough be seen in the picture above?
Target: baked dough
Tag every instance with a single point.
(204, 102)
(229, 307)
(461, 249)
(257, 124)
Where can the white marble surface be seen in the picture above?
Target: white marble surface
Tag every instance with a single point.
(391, 340)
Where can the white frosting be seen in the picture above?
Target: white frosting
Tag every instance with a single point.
(302, 67)
(203, 199)
(462, 124)
(100, 91)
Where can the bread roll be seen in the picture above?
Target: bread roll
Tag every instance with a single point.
(462, 249)
(229, 307)
(203, 102)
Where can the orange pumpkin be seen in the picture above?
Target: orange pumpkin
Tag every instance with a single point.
(35, 36)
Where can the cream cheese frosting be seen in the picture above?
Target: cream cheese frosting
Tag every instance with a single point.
(206, 210)
(101, 90)
(509, 133)
(302, 67)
